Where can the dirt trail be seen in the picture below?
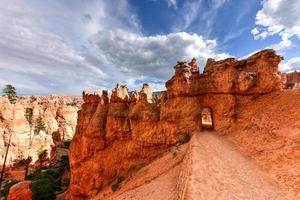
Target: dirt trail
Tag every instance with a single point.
(207, 168)
(219, 171)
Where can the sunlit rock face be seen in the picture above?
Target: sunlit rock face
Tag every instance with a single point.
(59, 114)
(291, 80)
(115, 133)
(257, 74)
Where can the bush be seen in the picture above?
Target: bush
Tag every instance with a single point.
(43, 189)
(6, 187)
(64, 163)
(45, 185)
(34, 176)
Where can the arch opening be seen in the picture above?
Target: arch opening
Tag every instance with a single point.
(206, 118)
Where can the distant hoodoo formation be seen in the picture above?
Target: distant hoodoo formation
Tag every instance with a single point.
(117, 132)
(291, 80)
(36, 124)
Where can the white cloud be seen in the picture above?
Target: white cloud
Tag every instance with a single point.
(151, 56)
(255, 31)
(40, 46)
(172, 3)
(279, 17)
(55, 48)
(291, 65)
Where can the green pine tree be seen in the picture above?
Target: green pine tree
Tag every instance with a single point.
(28, 115)
(10, 92)
(39, 125)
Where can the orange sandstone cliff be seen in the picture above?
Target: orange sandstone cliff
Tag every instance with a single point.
(59, 114)
(291, 80)
(117, 132)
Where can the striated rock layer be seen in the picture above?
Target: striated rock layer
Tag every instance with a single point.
(117, 132)
(59, 113)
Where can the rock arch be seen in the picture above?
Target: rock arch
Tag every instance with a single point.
(207, 118)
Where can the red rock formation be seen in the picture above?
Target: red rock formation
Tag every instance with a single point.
(291, 80)
(58, 113)
(20, 191)
(115, 133)
(256, 75)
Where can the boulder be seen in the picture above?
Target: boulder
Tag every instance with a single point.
(20, 191)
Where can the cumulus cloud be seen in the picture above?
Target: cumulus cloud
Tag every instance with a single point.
(62, 48)
(152, 56)
(291, 65)
(41, 47)
(278, 17)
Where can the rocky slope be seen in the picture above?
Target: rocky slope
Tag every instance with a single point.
(116, 132)
(59, 114)
(267, 129)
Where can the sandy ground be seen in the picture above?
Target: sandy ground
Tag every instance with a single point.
(219, 171)
(209, 167)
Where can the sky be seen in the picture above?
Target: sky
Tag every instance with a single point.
(67, 46)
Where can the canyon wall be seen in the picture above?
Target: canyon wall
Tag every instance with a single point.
(117, 132)
(291, 80)
(58, 113)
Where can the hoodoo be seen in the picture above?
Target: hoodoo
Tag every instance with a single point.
(117, 132)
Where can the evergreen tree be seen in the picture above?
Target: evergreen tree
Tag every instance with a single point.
(10, 92)
(28, 115)
(39, 125)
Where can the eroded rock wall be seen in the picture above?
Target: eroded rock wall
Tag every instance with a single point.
(59, 113)
(115, 133)
(291, 80)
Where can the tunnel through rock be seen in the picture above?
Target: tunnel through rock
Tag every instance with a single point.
(206, 118)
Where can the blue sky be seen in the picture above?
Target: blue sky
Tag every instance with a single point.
(66, 46)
